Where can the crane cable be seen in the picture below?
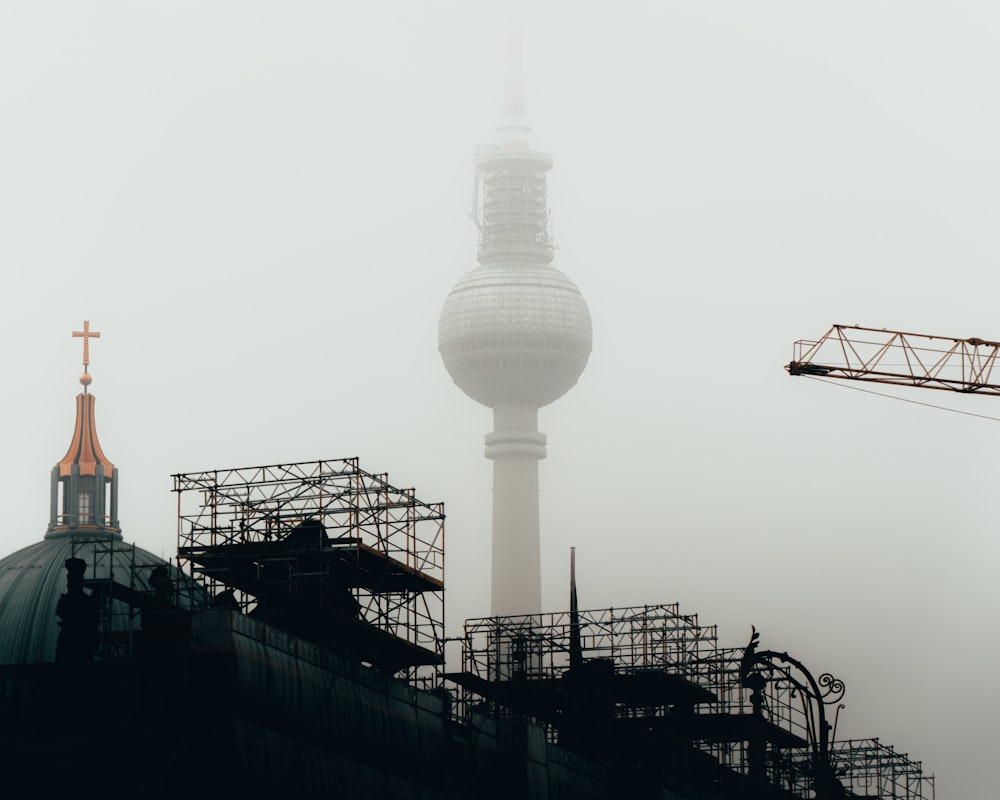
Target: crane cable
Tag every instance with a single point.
(903, 399)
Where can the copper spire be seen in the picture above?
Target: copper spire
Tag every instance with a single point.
(85, 449)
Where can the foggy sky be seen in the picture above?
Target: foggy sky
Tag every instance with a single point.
(262, 207)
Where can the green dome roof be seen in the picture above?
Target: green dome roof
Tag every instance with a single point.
(33, 578)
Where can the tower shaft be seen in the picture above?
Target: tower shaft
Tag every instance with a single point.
(515, 446)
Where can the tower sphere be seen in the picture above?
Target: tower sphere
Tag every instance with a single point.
(515, 333)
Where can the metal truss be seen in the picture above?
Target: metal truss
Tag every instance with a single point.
(864, 767)
(522, 662)
(869, 768)
(901, 359)
(537, 646)
(392, 541)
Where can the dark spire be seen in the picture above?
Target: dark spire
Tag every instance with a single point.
(575, 642)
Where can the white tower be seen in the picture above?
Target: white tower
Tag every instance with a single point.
(515, 334)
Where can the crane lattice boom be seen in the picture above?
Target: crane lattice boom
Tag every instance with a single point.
(854, 353)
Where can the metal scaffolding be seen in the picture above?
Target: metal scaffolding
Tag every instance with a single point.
(537, 646)
(525, 665)
(651, 682)
(872, 769)
(135, 593)
(118, 621)
(865, 768)
(324, 549)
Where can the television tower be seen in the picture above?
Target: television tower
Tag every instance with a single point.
(515, 335)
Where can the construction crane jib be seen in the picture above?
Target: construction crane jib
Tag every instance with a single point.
(851, 352)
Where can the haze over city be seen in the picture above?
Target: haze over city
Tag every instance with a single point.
(263, 206)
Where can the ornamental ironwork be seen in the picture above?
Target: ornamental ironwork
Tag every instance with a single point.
(764, 669)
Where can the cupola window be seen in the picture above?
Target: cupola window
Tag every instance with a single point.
(83, 509)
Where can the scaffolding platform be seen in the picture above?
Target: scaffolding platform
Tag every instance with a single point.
(324, 550)
(356, 563)
(547, 698)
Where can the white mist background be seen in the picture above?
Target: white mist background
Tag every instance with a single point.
(262, 207)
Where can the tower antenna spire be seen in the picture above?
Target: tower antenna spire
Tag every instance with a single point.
(514, 128)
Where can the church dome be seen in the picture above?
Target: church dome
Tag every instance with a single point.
(83, 525)
(33, 579)
(515, 333)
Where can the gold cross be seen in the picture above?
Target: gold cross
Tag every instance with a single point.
(87, 334)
